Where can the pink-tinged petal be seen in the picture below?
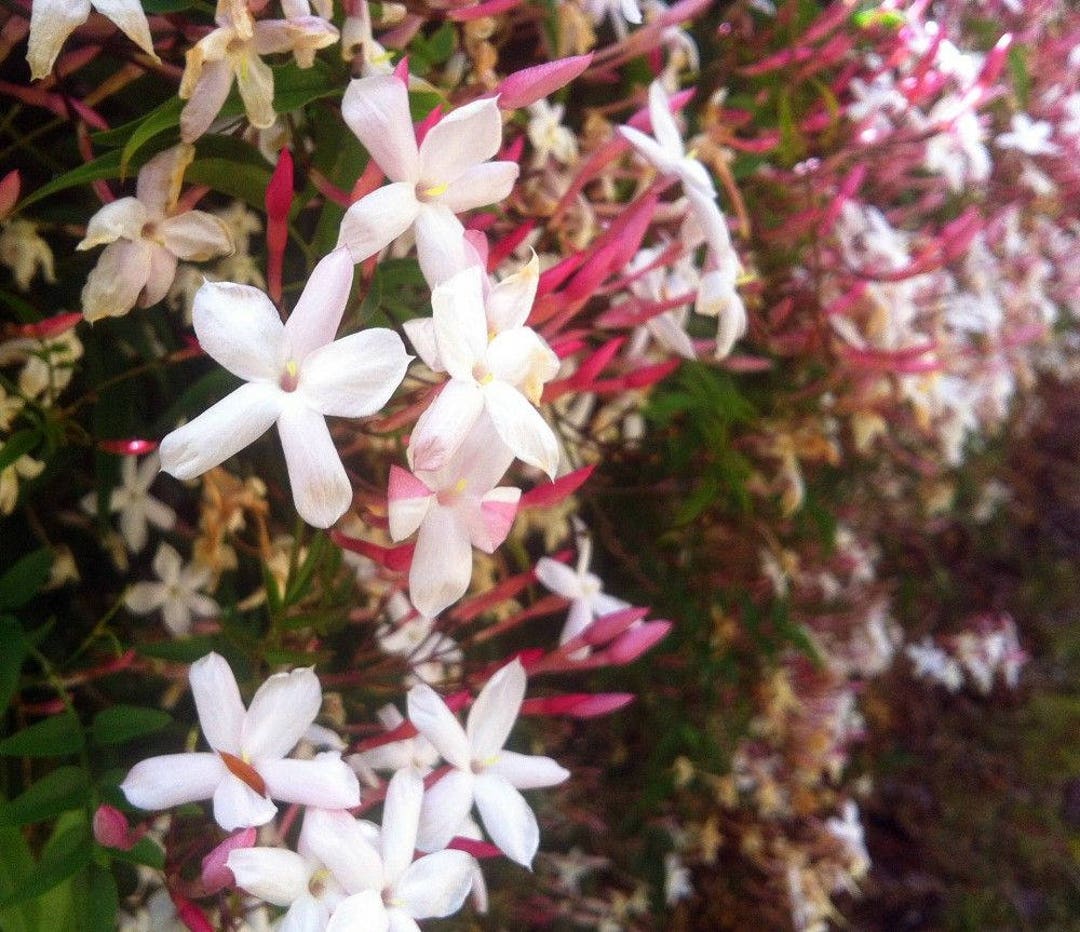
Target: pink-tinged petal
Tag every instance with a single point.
(172, 780)
(527, 771)
(314, 321)
(206, 100)
(217, 701)
(460, 325)
(409, 500)
(124, 218)
(51, 22)
(446, 804)
(255, 81)
(196, 236)
(528, 85)
(495, 710)
(239, 327)
(507, 818)
(521, 427)
(442, 562)
(280, 712)
(559, 578)
(444, 426)
(435, 885)
(421, 333)
(275, 875)
(649, 149)
(237, 805)
(401, 818)
(339, 841)
(216, 875)
(360, 911)
(131, 20)
(160, 277)
(522, 358)
(159, 181)
(510, 301)
(377, 219)
(356, 375)
(293, 34)
(325, 781)
(496, 515)
(663, 123)
(224, 429)
(320, 486)
(490, 183)
(466, 137)
(432, 718)
(115, 283)
(376, 109)
(441, 247)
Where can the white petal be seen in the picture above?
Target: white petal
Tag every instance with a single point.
(122, 219)
(489, 524)
(51, 22)
(376, 109)
(712, 222)
(320, 486)
(356, 375)
(528, 771)
(239, 327)
(482, 459)
(255, 81)
(437, 723)
(196, 236)
(160, 276)
(495, 710)
(173, 779)
(663, 123)
(559, 578)
(445, 806)
(361, 911)
(400, 921)
(305, 915)
(326, 781)
(464, 138)
(279, 714)
(315, 320)
(159, 181)
(490, 183)
(115, 283)
(511, 300)
(460, 325)
(237, 805)
(167, 564)
(401, 818)
(338, 840)
(145, 597)
(408, 501)
(272, 874)
(436, 885)
(578, 619)
(206, 100)
(442, 562)
(669, 333)
(521, 427)
(177, 617)
(224, 429)
(130, 18)
(159, 514)
(440, 243)
(507, 818)
(421, 333)
(377, 219)
(521, 357)
(443, 427)
(649, 149)
(217, 701)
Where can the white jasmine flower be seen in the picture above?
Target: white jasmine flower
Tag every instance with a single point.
(52, 21)
(24, 252)
(133, 500)
(177, 593)
(1032, 137)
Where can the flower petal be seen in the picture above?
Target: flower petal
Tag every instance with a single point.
(490, 183)
(130, 18)
(436, 885)
(279, 714)
(145, 597)
(460, 325)
(437, 723)
(363, 910)
(421, 333)
(507, 818)
(559, 578)
(650, 150)
(441, 248)
(408, 502)
(463, 138)
(401, 818)
(173, 779)
(320, 487)
(521, 427)
(527, 771)
(122, 219)
(493, 519)
(239, 327)
(446, 804)
(522, 358)
(222, 430)
(338, 840)
(51, 22)
(495, 710)
(377, 219)
(510, 301)
(206, 99)
(160, 277)
(315, 320)
(356, 375)
(255, 81)
(376, 109)
(217, 701)
(444, 426)
(195, 236)
(442, 562)
(305, 915)
(237, 805)
(159, 181)
(275, 875)
(115, 283)
(663, 123)
(325, 781)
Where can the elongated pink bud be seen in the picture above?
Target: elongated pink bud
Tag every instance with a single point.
(552, 493)
(393, 558)
(50, 326)
(636, 641)
(215, 872)
(9, 192)
(279, 197)
(577, 705)
(608, 627)
(132, 447)
(529, 85)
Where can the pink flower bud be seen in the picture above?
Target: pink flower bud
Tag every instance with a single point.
(9, 192)
(131, 447)
(215, 872)
(577, 705)
(636, 641)
(607, 627)
(529, 85)
(552, 493)
(111, 829)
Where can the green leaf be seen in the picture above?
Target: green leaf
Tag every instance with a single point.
(103, 899)
(107, 166)
(145, 851)
(124, 723)
(16, 863)
(243, 181)
(19, 443)
(65, 788)
(54, 737)
(186, 650)
(66, 853)
(156, 121)
(11, 659)
(166, 6)
(24, 580)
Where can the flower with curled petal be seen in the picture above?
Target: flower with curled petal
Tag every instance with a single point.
(247, 766)
(52, 21)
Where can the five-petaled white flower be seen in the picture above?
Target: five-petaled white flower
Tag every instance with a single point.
(132, 498)
(146, 237)
(480, 769)
(296, 374)
(247, 766)
(496, 365)
(52, 21)
(176, 593)
(447, 173)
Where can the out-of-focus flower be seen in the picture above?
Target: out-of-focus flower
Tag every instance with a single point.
(296, 375)
(548, 136)
(247, 767)
(176, 594)
(146, 237)
(24, 252)
(52, 21)
(133, 500)
(1032, 137)
(25, 467)
(481, 770)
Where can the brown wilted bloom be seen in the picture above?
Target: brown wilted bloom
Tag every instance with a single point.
(226, 503)
(483, 55)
